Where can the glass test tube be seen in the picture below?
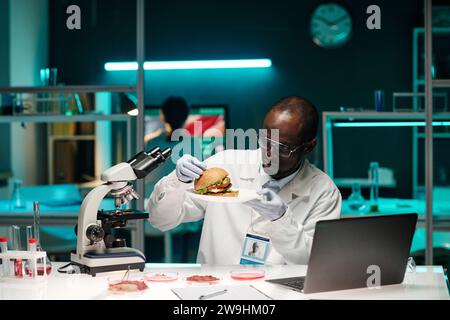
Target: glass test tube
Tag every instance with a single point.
(47, 265)
(31, 265)
(37, 221)
(18, 266)
(29, 236)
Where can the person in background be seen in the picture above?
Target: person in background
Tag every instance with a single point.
(173, 114)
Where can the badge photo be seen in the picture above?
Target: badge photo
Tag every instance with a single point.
(255, 249)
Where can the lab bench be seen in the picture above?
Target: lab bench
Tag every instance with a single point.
(427, 282)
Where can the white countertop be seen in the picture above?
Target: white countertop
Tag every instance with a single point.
(426, 283)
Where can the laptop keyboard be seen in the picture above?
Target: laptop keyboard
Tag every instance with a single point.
(296, 283)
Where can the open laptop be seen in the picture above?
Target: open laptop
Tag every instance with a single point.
(344, 252)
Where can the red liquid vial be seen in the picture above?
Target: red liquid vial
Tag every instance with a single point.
(18, 268)
(39, 271)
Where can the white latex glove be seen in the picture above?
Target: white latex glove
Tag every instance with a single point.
(189, 168)
(270, 206)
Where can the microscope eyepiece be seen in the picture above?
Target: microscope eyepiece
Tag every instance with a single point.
(145, 162)
(166, 153)
(154, 152)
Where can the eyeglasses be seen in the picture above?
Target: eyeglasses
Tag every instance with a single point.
(284, 150)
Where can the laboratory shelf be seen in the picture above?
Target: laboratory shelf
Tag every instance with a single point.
(65, 217)
(364, 119)
(441, 83)
(388, 206)
(435, 30)
(67, 89)
(63, 118)
(443, 135)
(74, 137)
(135, 129)
(387, 115)
(424, 44)
(363, 182)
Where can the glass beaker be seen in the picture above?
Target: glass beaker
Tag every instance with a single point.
(16, 198)
(410, 274)
(374, 185)
(356, 200)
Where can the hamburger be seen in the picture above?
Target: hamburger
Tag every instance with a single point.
(214, 182)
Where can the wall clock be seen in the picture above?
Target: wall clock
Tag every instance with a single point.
(331, 25)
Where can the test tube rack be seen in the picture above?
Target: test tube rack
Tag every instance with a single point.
(32, 257)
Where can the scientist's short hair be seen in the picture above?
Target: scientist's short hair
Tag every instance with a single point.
(176, 111)
(302, 108)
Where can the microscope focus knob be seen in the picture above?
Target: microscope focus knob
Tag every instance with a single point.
(95, 233)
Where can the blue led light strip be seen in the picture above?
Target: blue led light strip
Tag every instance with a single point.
(388, 124)
(193, 64)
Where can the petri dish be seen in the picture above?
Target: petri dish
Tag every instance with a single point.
(202, 279)
(161, 276)
(244, 274)
(126, 286)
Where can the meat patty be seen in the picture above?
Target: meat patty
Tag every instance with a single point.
(219, 187)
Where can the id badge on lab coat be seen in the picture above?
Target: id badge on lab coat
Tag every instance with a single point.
(255, 250)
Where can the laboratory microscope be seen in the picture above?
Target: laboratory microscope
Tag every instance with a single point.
(97, 248)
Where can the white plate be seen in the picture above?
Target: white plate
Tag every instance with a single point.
(243, 196)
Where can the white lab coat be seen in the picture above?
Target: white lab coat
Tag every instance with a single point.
(311, 196)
